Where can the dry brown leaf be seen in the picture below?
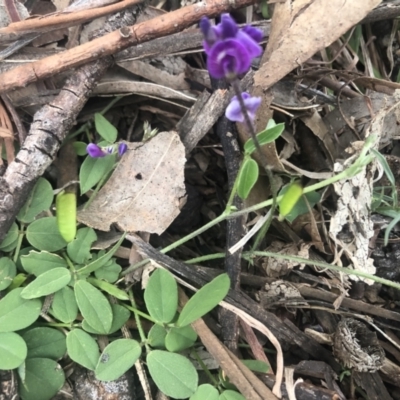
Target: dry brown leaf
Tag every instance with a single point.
(301, 28)
(145, 191)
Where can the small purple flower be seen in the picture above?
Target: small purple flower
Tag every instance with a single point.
(122, 148)
(234, 112)
(228, 58)
(95, 151)
(230, 51)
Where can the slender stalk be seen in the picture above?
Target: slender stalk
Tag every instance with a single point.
(248, 255)
(21, 235)
(264, 161)
(204, 366)
(142, 335)
(197, 232)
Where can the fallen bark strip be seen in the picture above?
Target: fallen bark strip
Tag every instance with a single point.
(116, 41)
(18, 29)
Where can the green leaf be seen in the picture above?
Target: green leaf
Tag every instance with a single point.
(93, 170)
(43, 379)
(80, 148)
(18, 281)
(36, 263)
(10, 241)
(47, 283)
(257, 366)
(301, 207)
(109, 272)
(101, 261)
(270, 134)
(45, 342)
(17, 313)
(10, 247)
(120, 317)
(204, 300)
(8, 270)
(83, 349)
(388, 229)
(179, 339)
(291, 195)
(66, 215)
(382, 160)
(156, 337)
(40, 199)
(205, 392)
(106, 130)
(94, 306)
(247, 178)
(173, 374)
(44, 235)
(109, 288)
(231, 395)
(117, 358)
(79, 249)
(64, 306)
(13, 350)
(161, 296)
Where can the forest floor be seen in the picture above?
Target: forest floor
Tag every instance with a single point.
(307, 232)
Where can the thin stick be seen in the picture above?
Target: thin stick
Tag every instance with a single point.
(116, 41)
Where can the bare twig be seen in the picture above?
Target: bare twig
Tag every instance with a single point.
(115, 41)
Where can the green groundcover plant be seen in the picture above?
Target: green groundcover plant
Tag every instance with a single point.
(58, 295)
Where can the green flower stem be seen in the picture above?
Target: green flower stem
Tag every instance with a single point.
(69, 262)
(141, 313)
(192, 235)
(345, 270)
(263, 158)
(136, 312)
(234, 188)
(204, 367)
(248, 255)
(21, 235)
(208, 257)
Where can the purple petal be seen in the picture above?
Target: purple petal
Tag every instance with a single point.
(253, 48)
(252, 104)
(228, 27)
(209, 33)
(255, 33)
(205, 26)
(95, 151)
(235, 113)
(122, 148)
(227, 59)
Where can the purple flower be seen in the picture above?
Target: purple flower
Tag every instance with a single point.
(230, 51)
(122, 148)
(95, 151)
(234, 112)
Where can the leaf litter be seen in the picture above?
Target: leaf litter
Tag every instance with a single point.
(337, 98)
